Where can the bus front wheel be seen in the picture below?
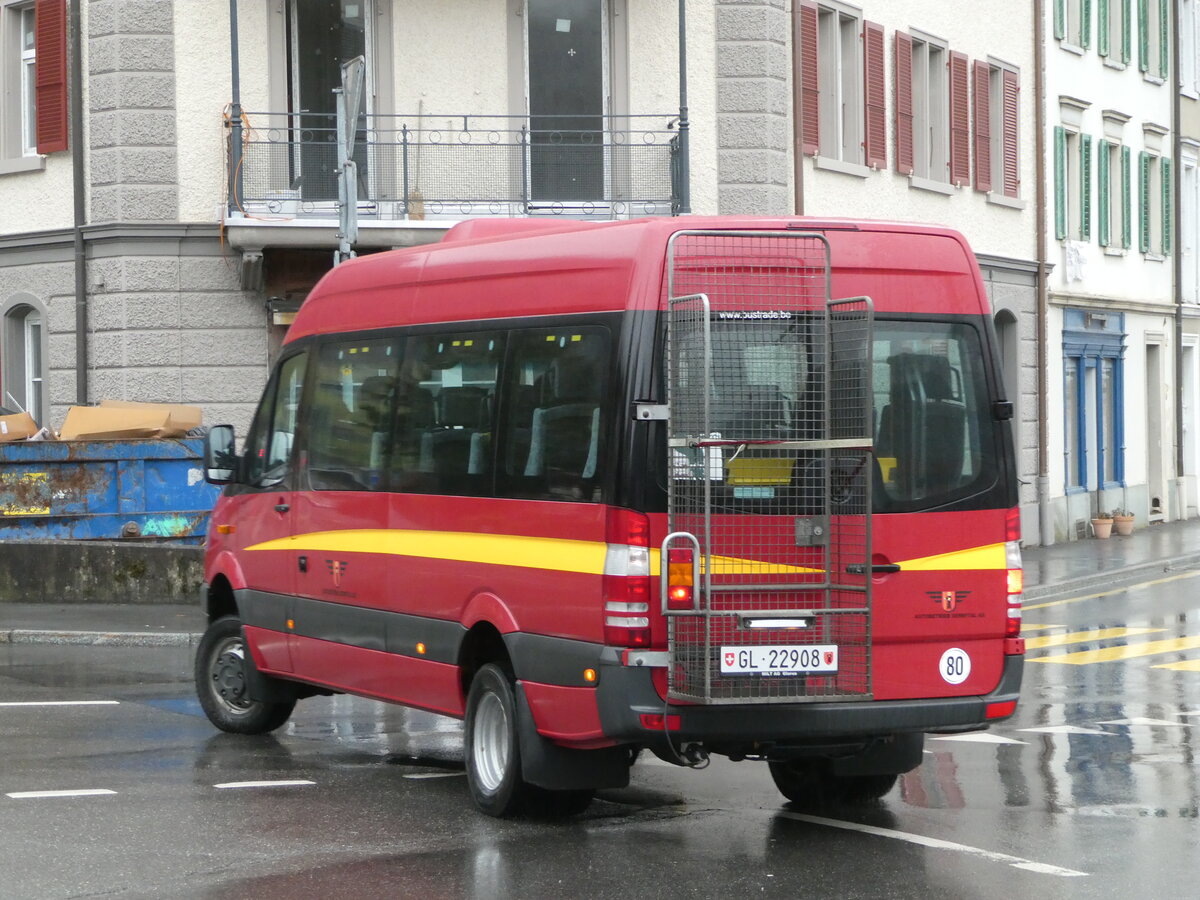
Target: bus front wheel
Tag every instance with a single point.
(222, 681)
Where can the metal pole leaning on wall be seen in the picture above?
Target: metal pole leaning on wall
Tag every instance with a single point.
(78, 186)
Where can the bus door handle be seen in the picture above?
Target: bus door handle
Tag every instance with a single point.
(281, 507)
(861, 569)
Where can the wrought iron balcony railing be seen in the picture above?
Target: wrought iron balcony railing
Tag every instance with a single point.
(443, 167)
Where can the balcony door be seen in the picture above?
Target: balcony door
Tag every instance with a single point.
(321, 35)
(567, 86)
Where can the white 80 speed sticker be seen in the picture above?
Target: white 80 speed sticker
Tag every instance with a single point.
(955, 666)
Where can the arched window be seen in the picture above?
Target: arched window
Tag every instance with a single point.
(24, 361)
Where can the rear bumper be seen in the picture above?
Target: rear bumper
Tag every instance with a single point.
(626, 693)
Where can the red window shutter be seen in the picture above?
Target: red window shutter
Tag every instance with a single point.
(960, 120)
(50, 81)
(1011, 117)
(983, 126)
(904, 105)
(875, 144)
(809, 94)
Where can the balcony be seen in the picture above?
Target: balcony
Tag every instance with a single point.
(429, 171)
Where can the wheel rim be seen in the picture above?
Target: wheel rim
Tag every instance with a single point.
(227, 676)
(490, 742)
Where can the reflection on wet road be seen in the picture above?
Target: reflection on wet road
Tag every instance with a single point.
(113, 783)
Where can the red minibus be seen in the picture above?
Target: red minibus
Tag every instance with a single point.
(729, 485)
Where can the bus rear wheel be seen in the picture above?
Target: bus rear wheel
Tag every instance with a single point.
(809, 782)
(221, 683)
(493, 755)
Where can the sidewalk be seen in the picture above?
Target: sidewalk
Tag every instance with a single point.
(1149, 552)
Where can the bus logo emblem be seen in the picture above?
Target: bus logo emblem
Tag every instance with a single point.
(948, 599)
(336, 568)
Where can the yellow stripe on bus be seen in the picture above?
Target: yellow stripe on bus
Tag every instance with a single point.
(584, 557)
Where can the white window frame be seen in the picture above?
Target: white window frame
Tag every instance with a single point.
(24, 349)
(1189, 206)
(18, 116)
(1189, 46)
(840, 80)
(931, 108)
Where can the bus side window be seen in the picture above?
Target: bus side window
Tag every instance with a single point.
(269, 444)
(554, 401)
(349, 425)
(444, 414)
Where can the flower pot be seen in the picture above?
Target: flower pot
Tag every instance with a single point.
(1123, 524)
(1102, 528)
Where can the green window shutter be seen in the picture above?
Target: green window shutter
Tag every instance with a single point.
(1060, 19)
(1085, 23)
(1060, 182)
(1144, 201)
(1126, 32)
(1102, 19)
(1085, 187)
(1102, 218)
(1143, 16)
(1126, 206)
(1167, 197)
(1164, 38)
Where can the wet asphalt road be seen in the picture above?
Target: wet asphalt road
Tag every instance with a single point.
(1091, 791)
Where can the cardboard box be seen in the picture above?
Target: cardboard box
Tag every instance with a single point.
(17, 427)
(119, 420)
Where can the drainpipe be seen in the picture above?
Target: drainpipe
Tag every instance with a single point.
(1045, 514)
(685, 175)
(235, 117)
(797, 116)
(1177, 268)
(77, 180)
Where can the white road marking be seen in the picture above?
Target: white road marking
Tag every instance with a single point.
(63, 703)
(419, 775)
(258, 784)
(1139, 720)
(1068, 729)
(979, 737)
(30, 795)
(937, 844)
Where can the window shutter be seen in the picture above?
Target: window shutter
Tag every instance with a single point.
(1102, 192)
(1012, 159)
(1143, 16)
(810, 97)
(983, 126)
(1085, 23)
(1085, 187)
(960, 120)
(1103, 14)
(1060, 182)
(1126, 205)
(875, 145)
(1126, 32)
(1144, 201)
(50, 24)
(1164, 38)
(904, 105)
(1060, 19)
(1167, 218)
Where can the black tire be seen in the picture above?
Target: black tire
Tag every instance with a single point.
(810, 783)
(493, 752)
(221, 679)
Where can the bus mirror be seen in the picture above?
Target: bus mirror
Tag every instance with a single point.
(1002, 410)
(220, 457)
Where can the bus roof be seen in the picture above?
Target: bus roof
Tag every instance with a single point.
(502, 268)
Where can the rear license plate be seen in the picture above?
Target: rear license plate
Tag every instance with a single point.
(779, 660)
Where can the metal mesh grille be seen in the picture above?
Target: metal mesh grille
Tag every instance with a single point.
(769, 436)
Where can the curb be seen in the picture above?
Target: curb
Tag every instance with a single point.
(100, 638)
(1113, 578)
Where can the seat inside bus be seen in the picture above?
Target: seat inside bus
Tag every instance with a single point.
(564, 430)
(922, 429)
(457, 444)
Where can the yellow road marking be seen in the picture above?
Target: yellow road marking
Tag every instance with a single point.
(1127, 651)
(1079, 637)
(1130, 587)
(1186, 665)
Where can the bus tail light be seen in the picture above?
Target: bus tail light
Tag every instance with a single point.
(626, 581)
(680, 579)
(1015, 582)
